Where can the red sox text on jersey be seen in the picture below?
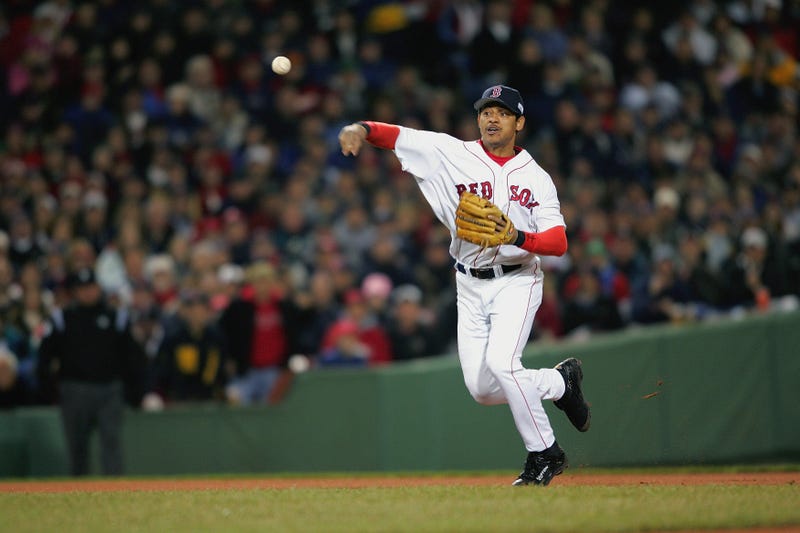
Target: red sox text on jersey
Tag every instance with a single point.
(524, 196)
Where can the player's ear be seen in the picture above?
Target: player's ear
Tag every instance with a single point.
(520, 122)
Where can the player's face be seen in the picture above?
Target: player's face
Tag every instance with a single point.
(499, 127)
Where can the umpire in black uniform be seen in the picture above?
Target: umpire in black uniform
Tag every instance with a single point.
(90, 352)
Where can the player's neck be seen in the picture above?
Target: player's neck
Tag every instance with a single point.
(501, 154)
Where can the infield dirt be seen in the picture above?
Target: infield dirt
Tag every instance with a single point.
(99, 485)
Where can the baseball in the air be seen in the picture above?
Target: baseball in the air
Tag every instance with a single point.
(281, 65)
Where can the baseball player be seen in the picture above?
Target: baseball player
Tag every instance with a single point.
(503, 212)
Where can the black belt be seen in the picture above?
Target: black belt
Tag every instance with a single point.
(486, 273)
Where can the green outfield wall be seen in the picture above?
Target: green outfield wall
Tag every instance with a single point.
(724, 392)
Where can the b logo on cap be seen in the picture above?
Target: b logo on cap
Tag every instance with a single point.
(496, 91)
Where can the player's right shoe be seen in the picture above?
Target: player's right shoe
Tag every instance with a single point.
(542, 467)
(572, 402)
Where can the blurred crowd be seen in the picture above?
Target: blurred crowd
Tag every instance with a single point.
(150, 143)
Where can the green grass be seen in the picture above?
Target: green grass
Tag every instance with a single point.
(434, 508)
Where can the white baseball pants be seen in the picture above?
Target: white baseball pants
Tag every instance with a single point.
(495, 317)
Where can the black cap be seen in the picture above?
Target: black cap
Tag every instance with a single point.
(81, 277)
(503, 95)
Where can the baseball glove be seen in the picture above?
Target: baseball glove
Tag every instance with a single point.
(474, 225)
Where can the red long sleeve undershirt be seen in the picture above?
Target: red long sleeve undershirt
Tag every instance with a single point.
(381, 134)
(549, 242)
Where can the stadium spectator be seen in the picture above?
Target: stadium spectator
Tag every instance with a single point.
(588, 309)
(667, 292)
(254, 327)
(191, 358)
(372, 343)
(312, 308)
(342, 347)
(14, 392)
(27, 326)
(377, 291)
(413, 330)
(756, 274)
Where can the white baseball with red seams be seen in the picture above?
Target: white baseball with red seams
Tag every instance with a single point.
(495, 315)
(281, 65)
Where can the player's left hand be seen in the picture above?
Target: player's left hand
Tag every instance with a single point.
(481, 222)
(500, 222)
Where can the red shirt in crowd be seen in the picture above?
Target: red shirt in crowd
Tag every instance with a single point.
(269, 337)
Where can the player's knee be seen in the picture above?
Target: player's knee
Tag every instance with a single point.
(499, 369)
(494, 398)
(483, 399)
(474, 388)
(483, 394)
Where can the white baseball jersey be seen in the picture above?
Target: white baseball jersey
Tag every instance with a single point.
(495, 315)
(445, 166)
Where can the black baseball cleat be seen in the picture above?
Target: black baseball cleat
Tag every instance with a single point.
(572, 401)
(542, 467)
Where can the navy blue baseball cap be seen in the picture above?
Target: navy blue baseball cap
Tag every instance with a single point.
(502, 95)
